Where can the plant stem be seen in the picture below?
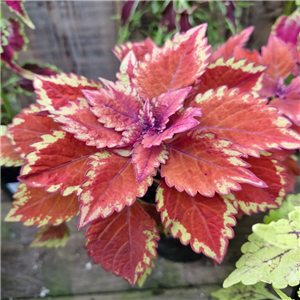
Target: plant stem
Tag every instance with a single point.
(288, 8)
(6, 104)
(14, 78)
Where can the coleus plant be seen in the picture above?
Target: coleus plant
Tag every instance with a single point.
(189, 125)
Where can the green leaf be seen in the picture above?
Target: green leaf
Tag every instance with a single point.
(244, 292)
(264, 260)
(282, 213)
(282, 295)
(283, 233)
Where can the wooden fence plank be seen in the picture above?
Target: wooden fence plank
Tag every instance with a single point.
(76, 36)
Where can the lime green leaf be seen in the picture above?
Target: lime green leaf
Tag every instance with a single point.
(283, 233)
(282, 295)
(242, 292)
(282, 213)
(264, 261)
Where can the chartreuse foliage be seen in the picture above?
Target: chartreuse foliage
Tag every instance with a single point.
(282, 212)
(244, 292)
(271, 255)
(196, 130)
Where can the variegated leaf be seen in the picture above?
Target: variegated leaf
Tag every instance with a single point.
(278, 57)
(16, 42)
(58, 162)
(146, 160)
(110, 186)
(253, 199)
(34, 206)
(56, 91)
(289, 103)
(27, 127)
(41, 69)
(17, 7)
(226, 50)
(126, 68)
(201, 162)
(249, 55)
(204, 223)
(140, 49)
(8, 156)
(287, 28)
(116, 107)
(182, 121)
(167, 105)
(247, 121)
(177, 64)
(234, 74)
(78, 119)
(52, 236)
(124, 243)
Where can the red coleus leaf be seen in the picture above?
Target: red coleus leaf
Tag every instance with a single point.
(287, 28)
(247, 121)
(52, 236)
(146, 160)
(252, 199)
(37, 207)
(226, 50)
(177, 64)
(18, 8)
(8, 156)
(126, 68)
(124, 243)
(290, 162)
(26, 128)
(117, 106)
(234, 74)
(279, 59)
(182, 121)
(249, 55)
(16, 42)
(110, 185)
(78, 119)
(201, 162)
(56, 91)
(288, 102)
(140, 49)
(58, 162)
(167, 105)
(204, 223)
(46, 70)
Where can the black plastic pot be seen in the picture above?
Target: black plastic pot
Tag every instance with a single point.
(9, 179)
(294, 294)
(173, 250)
(168, 247)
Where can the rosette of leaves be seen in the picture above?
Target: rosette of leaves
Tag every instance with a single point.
(168, 123)
(270, 256)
